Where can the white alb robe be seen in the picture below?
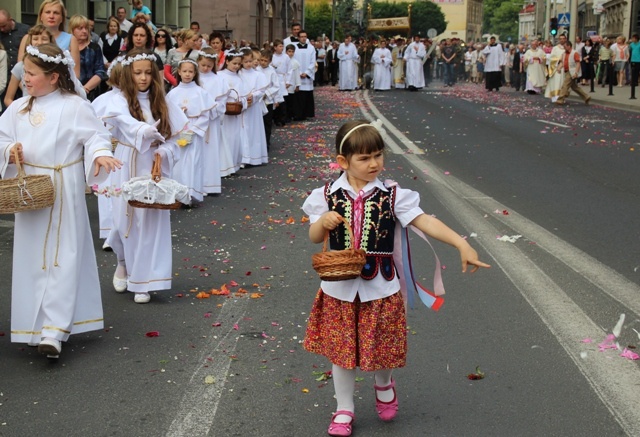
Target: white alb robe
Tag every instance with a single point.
(348, 56)
(141, 237)
(254, 151)
(234, 131)
(105, 210)
(535, 61)
(215, 151)
(306, 57)
(381, 59)
(495, 58)
(414, 56)
(556, 73)
(282, 64)
(197, 105)
(55, 286)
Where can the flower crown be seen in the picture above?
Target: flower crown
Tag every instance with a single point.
(232, 54)
(377, 125)
(116, 61)
(141, 57)
(191, 61)
(207, 55)
(65, 58)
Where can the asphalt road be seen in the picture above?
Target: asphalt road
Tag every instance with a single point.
(233, 365)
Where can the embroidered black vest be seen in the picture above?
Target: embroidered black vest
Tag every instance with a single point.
(378, 226)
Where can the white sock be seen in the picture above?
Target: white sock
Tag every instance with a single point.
(383, 379)
(344, 383)
(121, 270)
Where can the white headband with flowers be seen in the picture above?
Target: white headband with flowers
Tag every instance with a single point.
(207, 55)
(116, 61)
(66, 59)
(189, 60)
(141, 57)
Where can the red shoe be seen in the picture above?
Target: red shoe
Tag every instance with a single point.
(387, 410)
(341, 429)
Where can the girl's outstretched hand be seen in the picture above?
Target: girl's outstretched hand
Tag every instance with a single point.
(108, 163)
(468, 255)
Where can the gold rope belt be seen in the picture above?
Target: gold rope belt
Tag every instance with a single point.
(57, 170)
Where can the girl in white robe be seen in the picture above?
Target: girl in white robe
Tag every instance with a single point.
(197, 105)
(105, 190)
(255, 150)
(216, 156)
(55, 285)
(381, 59)
(234, 132)
(145, 124)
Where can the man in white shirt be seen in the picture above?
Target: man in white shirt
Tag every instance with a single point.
(121, 15)
(414, 56)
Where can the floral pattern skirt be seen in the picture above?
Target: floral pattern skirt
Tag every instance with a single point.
(370, 335)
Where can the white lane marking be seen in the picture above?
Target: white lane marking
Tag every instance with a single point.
(389, 126)
(495, 108)
(199, 404)
(615, 381)
(553, 123)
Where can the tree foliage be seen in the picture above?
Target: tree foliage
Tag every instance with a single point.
(317, 19)
(501, 18)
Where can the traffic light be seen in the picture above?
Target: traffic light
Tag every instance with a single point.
(553, 26)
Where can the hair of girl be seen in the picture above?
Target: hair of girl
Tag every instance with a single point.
(246, 51)
(196, 77)
(229, 55)
(114, 73)
(51, 60)
(132, 30)
(37, 30)
(358, 136)
(208, 53)
(114, 19)
(78, 21)
(63, 11)
(265, 53)
(157, 101)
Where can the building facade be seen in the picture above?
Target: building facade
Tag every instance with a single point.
(464, 19)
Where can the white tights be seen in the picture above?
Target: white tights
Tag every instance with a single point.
(344, 383)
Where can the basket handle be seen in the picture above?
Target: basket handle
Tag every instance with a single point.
(156, 170)
(16, 160)
(237, 94)
(326, 235)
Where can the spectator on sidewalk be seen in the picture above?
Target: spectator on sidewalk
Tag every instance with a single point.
(572, 71)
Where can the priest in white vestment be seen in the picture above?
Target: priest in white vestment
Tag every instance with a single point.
(348, 56)
(495, 59)
(397, 59)
(414, 56)
(305, 54)
(381, 59)
(556, 70)
(535, 60)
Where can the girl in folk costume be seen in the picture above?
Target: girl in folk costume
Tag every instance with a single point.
(145, 125)
(197, 104)
(54, 132)
(105, 189)
(255, 149)
(361, 322)
(234, 132)
(216, 156)
(381, 59)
